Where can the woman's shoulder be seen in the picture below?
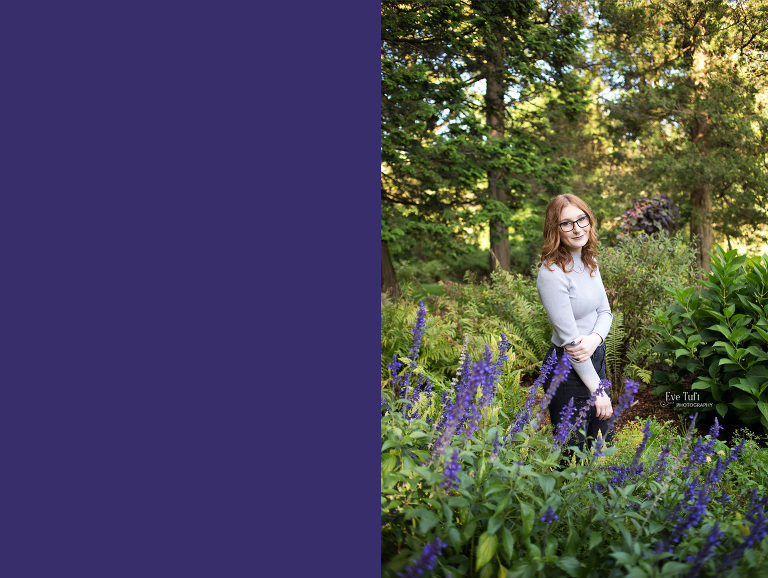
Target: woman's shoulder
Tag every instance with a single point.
(550, 272)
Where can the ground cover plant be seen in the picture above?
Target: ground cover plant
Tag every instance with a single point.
(719, 336)
(469, 491)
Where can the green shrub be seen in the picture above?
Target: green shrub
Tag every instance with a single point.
(636, 273)
(422, 271)
(720, 334)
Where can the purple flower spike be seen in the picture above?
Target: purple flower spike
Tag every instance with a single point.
(625, 400)
(418, 333)
(549, 516)
(525, 414)
(451, 473)
(564, 428)
(706, 552)
(661, 462)
(562, 370)
(426, 562)
(598, 446)
(481, 378)
(641, 448)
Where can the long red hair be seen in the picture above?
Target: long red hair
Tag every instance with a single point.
(554, 252)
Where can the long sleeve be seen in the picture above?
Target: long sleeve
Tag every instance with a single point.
(576, 304)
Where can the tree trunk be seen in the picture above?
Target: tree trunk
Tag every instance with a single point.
(701, 223)
(701, 193)
(494, 104)
(388, 276)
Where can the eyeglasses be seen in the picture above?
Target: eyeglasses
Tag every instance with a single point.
(582, 222)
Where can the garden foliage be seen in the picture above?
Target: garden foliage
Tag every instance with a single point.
(720, 335)
(464, 495)
(637, 273)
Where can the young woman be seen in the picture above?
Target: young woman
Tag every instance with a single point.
(572, 292)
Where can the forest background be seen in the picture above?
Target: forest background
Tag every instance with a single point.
(489, 109)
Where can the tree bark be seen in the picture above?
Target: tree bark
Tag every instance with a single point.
(494, 104)
(701, 224)
(701, 193)
(388, 276)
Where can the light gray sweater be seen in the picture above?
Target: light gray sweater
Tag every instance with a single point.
(576, 304)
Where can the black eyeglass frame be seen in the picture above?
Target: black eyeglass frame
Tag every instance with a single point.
(576, 222)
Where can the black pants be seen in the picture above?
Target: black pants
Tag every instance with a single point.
(573, 387)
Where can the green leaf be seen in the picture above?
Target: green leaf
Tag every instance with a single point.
(673, 568)
(595, 538)
(757, 352)
(722, 329)
(388, 463)
(486, 548)
(636, 572)
(494, 524)
(569, 564)
(427, 521)
(744, 385)
(743, 402)
(527, 515)
(623, 558)
(507, 542)
(468, 530)
(547, 484)
(722, 409)
(763, 407)
(454, 537)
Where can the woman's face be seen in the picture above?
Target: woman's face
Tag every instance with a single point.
(577, 237)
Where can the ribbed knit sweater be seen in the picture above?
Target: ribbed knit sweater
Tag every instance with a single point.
(576, 304)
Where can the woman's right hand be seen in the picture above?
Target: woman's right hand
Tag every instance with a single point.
(603, 406)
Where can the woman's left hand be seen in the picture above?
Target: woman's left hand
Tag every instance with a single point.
(584, 347)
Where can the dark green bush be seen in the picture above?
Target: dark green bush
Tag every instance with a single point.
(720, 335)
(637, 273)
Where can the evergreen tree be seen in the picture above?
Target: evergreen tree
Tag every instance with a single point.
(468, 89)
(692, 89)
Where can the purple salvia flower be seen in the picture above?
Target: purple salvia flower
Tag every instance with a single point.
(549, 516)
(696, 458)
(706, 552)
(413, 354)
(496, 447)
(691, 513)
(641, 448)
(581, 419)
(756, 515)
(451, 473)
(426, 562)
(430, 400)
(497, 367)
(446, 403)
(562, 369)
(716, 473)
(661, 462)
(598, 446)
(525, 414)
(481, 379)
(563, 431)
(453, 417)
(394, 367)
(418, 334)
(625, 400)
(487, 355)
